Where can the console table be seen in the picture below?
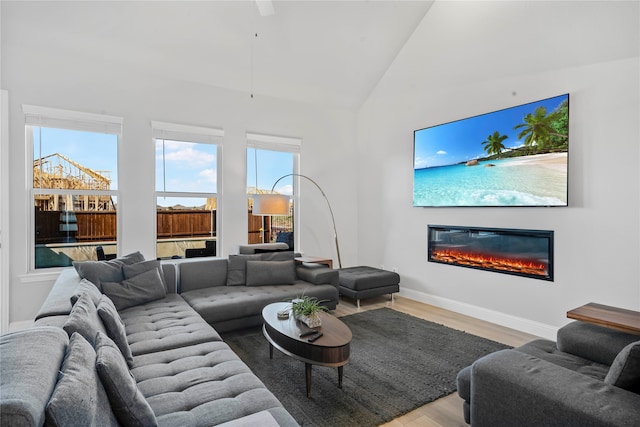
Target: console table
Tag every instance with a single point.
(610, 317)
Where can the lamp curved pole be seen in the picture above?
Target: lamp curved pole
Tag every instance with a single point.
(333, 220)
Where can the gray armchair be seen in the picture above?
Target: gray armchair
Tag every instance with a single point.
(591, 377)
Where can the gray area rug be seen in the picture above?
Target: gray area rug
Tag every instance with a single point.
(398, 363)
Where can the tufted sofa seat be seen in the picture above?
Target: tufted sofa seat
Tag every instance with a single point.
(164, 325)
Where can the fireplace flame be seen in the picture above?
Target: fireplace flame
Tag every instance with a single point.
(487, 261)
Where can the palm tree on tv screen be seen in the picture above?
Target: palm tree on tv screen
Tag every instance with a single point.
(493, 143)
(539, 128)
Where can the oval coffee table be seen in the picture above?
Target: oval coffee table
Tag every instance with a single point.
(331, 349)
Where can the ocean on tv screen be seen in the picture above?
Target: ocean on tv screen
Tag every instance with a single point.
(536, 180)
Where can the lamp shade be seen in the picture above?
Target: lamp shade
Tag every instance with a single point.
(270, 204)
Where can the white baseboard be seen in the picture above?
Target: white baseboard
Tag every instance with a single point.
(18, 326)
(525, 325)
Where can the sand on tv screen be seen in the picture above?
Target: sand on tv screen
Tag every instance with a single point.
(513, 157)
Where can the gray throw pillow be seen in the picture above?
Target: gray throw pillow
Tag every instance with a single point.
(625, 369)
(84, 319)
(105, 271)
(127, 402)
(261, 273)
(138, 290)
(79, 399)
(115, 327)
(87, 287)
(236, 269)
(133, 270)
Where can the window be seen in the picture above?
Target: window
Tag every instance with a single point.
(74, 183)
(268, 159)
(187, 176)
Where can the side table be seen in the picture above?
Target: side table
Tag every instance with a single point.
(607, 316)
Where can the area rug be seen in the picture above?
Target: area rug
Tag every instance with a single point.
(398, 363)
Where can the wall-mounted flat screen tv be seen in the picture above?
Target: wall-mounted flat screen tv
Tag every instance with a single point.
(513, 157)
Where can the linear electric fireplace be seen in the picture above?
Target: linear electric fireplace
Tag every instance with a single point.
(527, 253)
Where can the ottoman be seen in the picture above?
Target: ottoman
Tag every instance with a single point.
(367, 282)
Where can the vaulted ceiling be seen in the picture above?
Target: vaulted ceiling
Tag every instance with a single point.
(330, 53)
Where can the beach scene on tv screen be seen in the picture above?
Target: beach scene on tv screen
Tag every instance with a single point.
(513, 157)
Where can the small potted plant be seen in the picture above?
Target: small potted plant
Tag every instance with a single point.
(307, 309)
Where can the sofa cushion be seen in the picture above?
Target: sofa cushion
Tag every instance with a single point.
(27, 379)
(547, 350)
(236, 271)
(79, 398)
(260, 273)
(115, 327)
(593, 342)
(84, 319)
(144, 287)
(277, 256)
(132, 270)
(204, 272)
(58, 301)
(165, 324)
(105, 271)
(200, 385)
(362, 278)
(127, 402)
(86, 286)
(222, 303)
(625, 369)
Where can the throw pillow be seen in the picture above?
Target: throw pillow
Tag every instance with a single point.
(105, 271)
(133, 270)
(127, 402)
(260, 273)
(625, 369)
(79, 398)
(138, 290)
(236, 269)
(84, 319)
(115, 327)
(86, 286)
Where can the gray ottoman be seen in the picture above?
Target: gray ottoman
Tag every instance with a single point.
(367, 282)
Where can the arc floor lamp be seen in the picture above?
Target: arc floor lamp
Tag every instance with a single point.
(278, 204)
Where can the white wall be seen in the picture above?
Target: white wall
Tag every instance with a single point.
(54, 77)
(472, 58)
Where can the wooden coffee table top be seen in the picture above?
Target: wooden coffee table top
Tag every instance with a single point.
(332, 349)
(611, 317)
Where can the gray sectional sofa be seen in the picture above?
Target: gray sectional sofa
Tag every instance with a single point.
(137, 347)
(589, 377)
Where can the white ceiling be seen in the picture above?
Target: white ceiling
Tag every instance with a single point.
(330, 53)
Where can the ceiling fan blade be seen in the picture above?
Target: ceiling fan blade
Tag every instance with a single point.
(265, 7)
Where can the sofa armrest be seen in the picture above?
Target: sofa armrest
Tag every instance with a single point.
(593, 342)
(31, 360)
(512, 388)
(318, 274)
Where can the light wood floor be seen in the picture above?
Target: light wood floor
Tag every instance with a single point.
(447, 411)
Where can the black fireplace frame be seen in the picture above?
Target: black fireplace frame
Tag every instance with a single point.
(472, 235)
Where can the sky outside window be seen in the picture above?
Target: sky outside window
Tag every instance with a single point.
(271, 165)
(96, 151)
(186, 167)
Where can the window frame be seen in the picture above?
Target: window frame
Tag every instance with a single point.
(192, 134)
(37, 116)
